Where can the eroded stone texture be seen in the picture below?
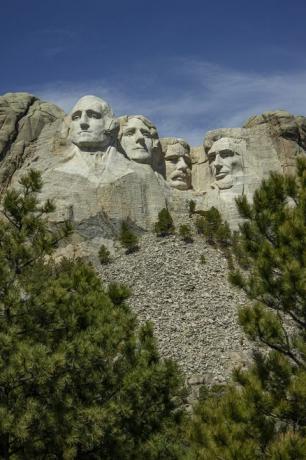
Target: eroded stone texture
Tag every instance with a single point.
(22, 118)
(283, 124)
(89, 177)
(140, 142)
(200, 174)
(234, 161)
(225, 159)
(92, 125)
(178, 162)
(96, 184)
(288, 133)
(94, 169)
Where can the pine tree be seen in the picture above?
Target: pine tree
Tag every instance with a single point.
(164, 226)
(78, 377)
(104, 255)
(185, 233)
(191, 207)
(262, 414)
(128, 238)
(200, 225)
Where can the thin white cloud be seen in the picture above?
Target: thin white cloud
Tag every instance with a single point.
(190, 97)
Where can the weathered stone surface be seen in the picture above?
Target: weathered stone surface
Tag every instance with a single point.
(178, 162)
(89, 177)
(120, 174)
(234, 161)
(140, 142)
(282, 124)
(288, 133)
(96, 177)
(22, 118)
(200, 174)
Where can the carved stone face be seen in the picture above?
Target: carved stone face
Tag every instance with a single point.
(178, 166)
(225, 162)
(91, 118)
(137, 141)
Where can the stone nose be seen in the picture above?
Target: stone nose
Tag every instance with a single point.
(181, 164)
(84, 125)
(218, 163)
(84, 121)
(139, 137)
(218, 160)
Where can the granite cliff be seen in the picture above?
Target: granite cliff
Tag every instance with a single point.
(100, 170)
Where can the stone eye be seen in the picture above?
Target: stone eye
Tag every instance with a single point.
(93, 114)
(227, 153)
(75, 116)
(172, 159)
(128, 133)
(146, 133)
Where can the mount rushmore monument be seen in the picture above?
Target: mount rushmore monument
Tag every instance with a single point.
(100, 170)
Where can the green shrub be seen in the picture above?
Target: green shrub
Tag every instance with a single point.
(202, 259)
(185, 233)
(104, 255)
(118, 292)
(200, 225)
(164, 226)
(128, 238)
(223, 235)
(192, 206)
(210, 225)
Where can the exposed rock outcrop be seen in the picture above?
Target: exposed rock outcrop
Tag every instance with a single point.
(100, 170)
(22, 118)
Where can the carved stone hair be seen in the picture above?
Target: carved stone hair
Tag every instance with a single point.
(158, 162)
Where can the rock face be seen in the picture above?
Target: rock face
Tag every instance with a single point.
(288, 133)
(178, 162)
(22, 118)
(140, 142)
(234, 161)
(100, 170)
(89, 176)
(282, 124)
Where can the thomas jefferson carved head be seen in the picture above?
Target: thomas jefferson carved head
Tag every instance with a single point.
(178, 163)
(139, 139)
(225, 160)
(91, 124)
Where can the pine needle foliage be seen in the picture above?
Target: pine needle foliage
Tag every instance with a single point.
(211, 226)
(191, 207)
(78, 377)
(164, 225)
(185, 233)
(104, 255)
(262, 414)
(128, 238)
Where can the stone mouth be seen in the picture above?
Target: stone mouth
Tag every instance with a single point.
(221, 175)
(181, 177)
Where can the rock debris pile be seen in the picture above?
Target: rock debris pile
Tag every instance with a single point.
(192, 306)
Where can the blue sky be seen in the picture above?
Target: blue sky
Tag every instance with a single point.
(189, 66)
